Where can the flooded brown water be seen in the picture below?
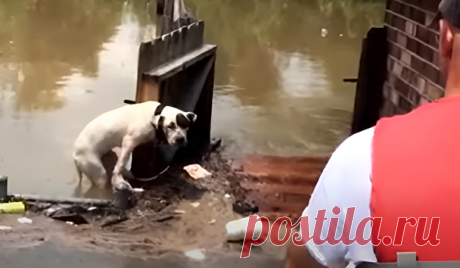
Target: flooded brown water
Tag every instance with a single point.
(279, 87)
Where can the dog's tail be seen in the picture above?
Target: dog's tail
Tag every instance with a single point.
(129, 102)
(79, 172)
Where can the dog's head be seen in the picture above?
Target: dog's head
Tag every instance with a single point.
(173, 124)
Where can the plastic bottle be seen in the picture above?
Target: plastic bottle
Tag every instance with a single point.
(236, 230)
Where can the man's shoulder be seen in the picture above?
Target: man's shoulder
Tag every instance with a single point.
(353, 155)
(357, 143)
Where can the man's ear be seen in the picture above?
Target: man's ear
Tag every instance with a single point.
(192, 117)
(446, 39)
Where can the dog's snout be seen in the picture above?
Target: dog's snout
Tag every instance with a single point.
(181, 141)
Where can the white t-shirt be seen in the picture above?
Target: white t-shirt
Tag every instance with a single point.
(345, 182)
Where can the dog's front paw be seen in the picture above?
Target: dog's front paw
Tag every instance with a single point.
(119, 184)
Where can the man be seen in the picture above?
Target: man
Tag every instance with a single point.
(405, 166)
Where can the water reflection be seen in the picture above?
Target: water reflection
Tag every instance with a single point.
(52, 39)
(61, 64)
(280, 82)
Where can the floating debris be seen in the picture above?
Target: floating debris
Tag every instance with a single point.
(92, 208)
(197, 254)
(25, 220)
(227, 196)
(12, 208)
(236, 230)
(324, 32)
(197, 172)
(139, 190)
(179, 211)
(112, 220)
(195, 205)
(5, 228)
(74, 218)
(212, 221)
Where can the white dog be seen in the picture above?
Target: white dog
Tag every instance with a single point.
(127, 127)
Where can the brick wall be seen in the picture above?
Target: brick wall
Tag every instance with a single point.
(413, 76)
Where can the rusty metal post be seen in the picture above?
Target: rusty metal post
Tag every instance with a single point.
(3, 187)
(371, 79)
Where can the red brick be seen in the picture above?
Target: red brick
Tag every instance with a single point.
(430, 5)
(414, 96)
(410, 28)
(434, 92)
(423, 101)
(399, 23)
(406, 74)
(412, 45)
(392, 35)
(402, 87)
(390, 63)
(423, 34)
(387, 109)
(436, 58)
(395, 51)
(394, 96)
(401, 39)
(409, 12)
(397, 69)
(431, 73)
(419, 83)
(417, 65)
(426, 52)
(400, 111)
(405, 105)
(406, 57)
(395, 6)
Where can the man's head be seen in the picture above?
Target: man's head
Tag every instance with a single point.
(173, 124)
(448, 19)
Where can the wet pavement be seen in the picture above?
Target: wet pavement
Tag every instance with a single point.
(51, 256)
(279, 87)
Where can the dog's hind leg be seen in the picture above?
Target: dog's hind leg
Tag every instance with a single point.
(93, 168)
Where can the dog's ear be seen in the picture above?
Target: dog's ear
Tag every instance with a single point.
(159, 109)
(161, 122)
(192, 117)
(185, 121)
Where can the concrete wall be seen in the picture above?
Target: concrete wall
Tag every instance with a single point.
(413, 76)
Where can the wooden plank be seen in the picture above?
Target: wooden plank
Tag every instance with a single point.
(70, 200)
(170, 68)
(149, 89)
(171, 46)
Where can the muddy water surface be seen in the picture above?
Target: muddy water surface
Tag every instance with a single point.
(279, 86)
